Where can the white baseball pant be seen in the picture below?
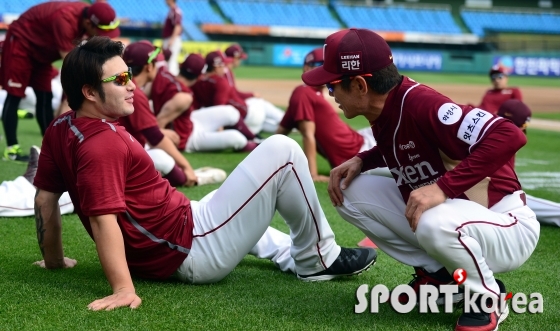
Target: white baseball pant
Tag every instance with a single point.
(163, 162)
(255, 117)
(273, 114)
(17, 198)
(275, 176)
(455, 234)
(175, 48)
(206, 125)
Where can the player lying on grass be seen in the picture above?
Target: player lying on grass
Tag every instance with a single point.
(143, 226)
(273, 115)
(194, 131)
(322, 129)
(455, 201)
(547, 212)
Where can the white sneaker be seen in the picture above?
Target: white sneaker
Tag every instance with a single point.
(208, 175)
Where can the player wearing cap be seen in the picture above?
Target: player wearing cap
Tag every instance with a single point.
(321, 128)
(494, 97)
(548, 212)
(210, 88)
(142, 225)
(273, 115)
(40, 36)
(143, 126)
(171, 34)
(455, 201)
(172, 103)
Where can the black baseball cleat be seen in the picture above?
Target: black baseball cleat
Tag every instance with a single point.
(32, 164)
(350, 261)
(482, 321)
(423, 277)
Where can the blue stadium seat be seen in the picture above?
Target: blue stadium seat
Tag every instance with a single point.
(479, 22)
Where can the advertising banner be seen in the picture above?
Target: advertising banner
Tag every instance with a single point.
(529, 65)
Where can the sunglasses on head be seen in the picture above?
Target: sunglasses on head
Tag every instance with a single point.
(120, 79)
(315, 64)
(153, 55)
(497, 76)
(330, 86)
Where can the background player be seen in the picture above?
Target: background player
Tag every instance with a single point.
(171, 34)
(200, 130)
(547, 212)
(143, 126)
(321, 128)
(455, 201)
(210, 88)
(157, 233)
(273, 115)
(40, 36)
(494, 97)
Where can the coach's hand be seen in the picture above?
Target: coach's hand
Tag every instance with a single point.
(65, 263)
(123, 298)
(348, 170)
(421, 200)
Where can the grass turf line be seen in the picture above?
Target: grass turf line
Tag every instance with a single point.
(255, 296)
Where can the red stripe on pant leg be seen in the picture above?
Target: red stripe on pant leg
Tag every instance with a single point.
(314, 219)
(470, 252)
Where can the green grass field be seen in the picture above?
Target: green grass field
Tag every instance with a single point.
(255, 296)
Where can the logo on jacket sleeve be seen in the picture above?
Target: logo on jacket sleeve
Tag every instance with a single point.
(449, 113)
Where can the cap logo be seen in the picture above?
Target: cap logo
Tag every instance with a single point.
(309, 58)
(351, 62)
(94, 19)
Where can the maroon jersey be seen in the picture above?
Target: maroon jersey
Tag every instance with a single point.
(164, 87)
(50, 27)
(106, 171)
(215, 91)
(336, 141)
(141, 119)
(174, 18)
(494, 98)
(231, 80)
(425, 138)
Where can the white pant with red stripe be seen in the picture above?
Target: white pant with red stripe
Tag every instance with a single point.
(17, 198)
(273, 114)
(455, 234)
(229, 223)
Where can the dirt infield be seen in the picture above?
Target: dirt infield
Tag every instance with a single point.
(539, 99)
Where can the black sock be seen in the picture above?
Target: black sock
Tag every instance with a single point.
(44, 110)
(10, 119)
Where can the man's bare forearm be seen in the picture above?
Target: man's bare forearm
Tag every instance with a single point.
(49, 229)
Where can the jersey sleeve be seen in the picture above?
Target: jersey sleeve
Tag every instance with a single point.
(223, 90)
(101, 175)
(302, 106)
(48, 177)
(516, 94)
(372, 159)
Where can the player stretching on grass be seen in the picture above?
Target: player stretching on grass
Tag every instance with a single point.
(455, 201)
(143, 226)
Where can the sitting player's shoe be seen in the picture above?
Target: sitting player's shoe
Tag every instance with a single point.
(24, 114)
(208, 175)
(32, 164)
(350, 261)
(14, 153)
(483, 321)
(251, 145)
(440, 277)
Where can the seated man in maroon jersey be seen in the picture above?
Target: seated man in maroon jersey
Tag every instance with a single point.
(173, 106)
(493, 98)
(321, 128)
(211, 88)
(142, 124)
(454, 201)
(143, 226)
(273, 114)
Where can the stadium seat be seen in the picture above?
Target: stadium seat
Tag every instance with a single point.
(479, 22)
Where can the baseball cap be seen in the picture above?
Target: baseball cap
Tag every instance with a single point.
(215, 59)
(497, 69)
(103, 16)
(140, 53)
(350, 52)
(194, 64)
(516, 111)
(235, 51)
(314, 56)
